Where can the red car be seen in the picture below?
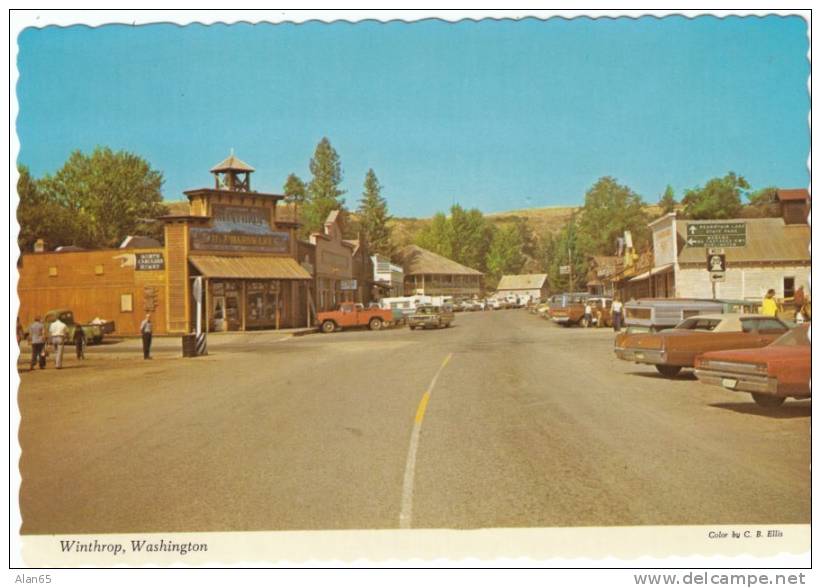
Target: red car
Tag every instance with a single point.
(771, 374)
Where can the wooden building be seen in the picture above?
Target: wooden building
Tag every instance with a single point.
(524, 286)
(334, 264)
(118, 285)
(760, 253)
(245, 255)
(433, 275)
(229, 236)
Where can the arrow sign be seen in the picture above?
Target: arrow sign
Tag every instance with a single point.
(717, 234)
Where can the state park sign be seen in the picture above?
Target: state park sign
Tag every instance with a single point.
(732, 234)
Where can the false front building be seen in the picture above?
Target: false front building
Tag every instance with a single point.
(247, 259)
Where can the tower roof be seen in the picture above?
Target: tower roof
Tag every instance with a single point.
(232, 163)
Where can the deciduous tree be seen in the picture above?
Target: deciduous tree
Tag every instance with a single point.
(105, 196)
(719, 198)
(610, 209)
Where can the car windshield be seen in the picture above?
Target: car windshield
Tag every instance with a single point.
(793, 338)
(698, 324)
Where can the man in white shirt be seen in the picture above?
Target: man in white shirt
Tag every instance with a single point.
(58, 331)
(617, 310)
(588, 314)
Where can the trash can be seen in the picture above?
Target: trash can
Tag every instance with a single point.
(189, 346)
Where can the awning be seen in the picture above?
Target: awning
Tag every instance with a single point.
(661, 269)
(255, 268)
(640, 277)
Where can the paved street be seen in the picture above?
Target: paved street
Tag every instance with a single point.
(526, 424)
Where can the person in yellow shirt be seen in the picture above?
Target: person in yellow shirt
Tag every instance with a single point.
(769, 306)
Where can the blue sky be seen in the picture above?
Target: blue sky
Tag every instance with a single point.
(493, 114)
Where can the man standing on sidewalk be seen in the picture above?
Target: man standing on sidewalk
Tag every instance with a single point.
(37, 336)
(58, 331)
(145, 331)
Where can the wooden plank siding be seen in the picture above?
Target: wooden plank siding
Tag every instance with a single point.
(176, 267)
(91, 283)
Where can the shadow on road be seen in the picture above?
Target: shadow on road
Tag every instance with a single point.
(687, 376)
(786, 411)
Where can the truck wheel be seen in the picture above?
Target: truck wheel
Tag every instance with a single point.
(328, 327)
(668, 371)
(768, 401)
(375, 324)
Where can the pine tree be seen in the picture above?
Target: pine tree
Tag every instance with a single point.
(668, 200)
(323, 193)
(373, 216)
(295, 193)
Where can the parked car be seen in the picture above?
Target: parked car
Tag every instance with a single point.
(94, 331)
(351, 314)
(568, 309)
(656, 314)
(673, 349)
(430, 316)
(771, 374)
(495, 304)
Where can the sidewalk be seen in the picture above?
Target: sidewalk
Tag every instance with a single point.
(170, 346)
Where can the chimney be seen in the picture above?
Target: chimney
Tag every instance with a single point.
(39, 246)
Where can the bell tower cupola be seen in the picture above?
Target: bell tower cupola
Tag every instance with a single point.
(232, 174)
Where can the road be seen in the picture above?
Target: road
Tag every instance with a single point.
(526, 424)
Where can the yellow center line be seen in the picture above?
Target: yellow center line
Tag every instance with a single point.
(405, 513)
(423, 404)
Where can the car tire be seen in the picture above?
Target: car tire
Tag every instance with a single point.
(668, 371)
(375, 324)
(412, 327)
(767, 401)
(328, 327)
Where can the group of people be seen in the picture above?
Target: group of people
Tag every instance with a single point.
(800, 302)
(58, 335)
(616, 311)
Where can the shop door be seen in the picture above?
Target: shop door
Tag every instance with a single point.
(218, 312)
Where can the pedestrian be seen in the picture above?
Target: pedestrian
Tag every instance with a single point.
(80, 342)
(146, 330)
(617, 310)
(58, 331)
(37, 337)
(769, 306)
(588, 314)
(798, 300)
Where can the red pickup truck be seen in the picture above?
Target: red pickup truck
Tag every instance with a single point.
(353, 314)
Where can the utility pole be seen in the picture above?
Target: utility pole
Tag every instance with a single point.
(570, 262)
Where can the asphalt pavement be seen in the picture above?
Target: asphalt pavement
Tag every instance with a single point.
(502, 420)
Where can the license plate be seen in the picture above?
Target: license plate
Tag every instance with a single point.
(639, 355)
(729, 383)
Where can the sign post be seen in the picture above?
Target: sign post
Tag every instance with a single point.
(716, 265)
(198, 298)
(201, 344)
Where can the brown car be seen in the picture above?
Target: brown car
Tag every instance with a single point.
(770, 374)
(673, 349)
